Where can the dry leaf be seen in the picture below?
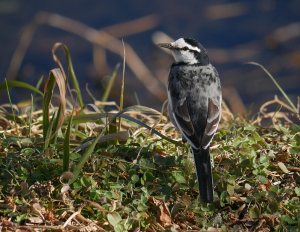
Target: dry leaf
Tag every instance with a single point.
(163, 213)
(35, 220)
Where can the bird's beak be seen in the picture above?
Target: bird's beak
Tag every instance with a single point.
(165, 45)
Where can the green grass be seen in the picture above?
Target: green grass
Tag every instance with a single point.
(73, 168)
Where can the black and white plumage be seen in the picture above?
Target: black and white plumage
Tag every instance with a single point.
(194, 94)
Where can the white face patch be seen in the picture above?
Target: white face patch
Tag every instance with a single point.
(180, 43)
(182, 55)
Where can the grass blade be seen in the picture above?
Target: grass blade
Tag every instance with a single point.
(19, 84)
(110, 84)
(48, 91)
(30, 116)
(122, 88)
(49, 130)
(136, 98)
(143, 109)
(55, 76)
(66, 145)
(278, 86)
(70, 69)
(31, 105)
(119, 136)
(13, 112)
(83, 159)
(56, 126)
(57, 121)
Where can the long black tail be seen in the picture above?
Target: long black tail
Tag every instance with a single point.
(204, 174)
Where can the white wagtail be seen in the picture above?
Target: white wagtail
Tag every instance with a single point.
(194, 94)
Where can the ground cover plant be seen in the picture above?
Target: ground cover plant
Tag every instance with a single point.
(98, 167)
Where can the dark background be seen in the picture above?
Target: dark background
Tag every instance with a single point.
(233, 32)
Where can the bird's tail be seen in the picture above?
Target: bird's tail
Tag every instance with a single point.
(204, 174)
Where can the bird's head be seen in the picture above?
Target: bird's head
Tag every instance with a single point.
(188, 51)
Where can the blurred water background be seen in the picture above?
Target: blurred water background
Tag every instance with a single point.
(233, 32)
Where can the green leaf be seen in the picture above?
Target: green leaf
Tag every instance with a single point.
(271, 154)
(144, 162)
(288, 219)
(142, 207)
(294, 150)
(256, 195)
(236, 171)
(170, 161)
(222, 133)
(256, 136)
(122, 166)
(226, 162)
(271, 195)
(297, 138)
(109, 194)
(216, 178)
(237, 142)
(297, 191)
(85, 182)
(114, 172)
(135, 178)
(254, 213)
(262, 179)
(274, 188)
(284, 129)
(148, 177)
(256, 146)
(245, 162)
(262, 193)
(225, 197)
(283, 167)
(75, 156)
(119, 228)
(180, 177)
(114, 218)
(263, 159)
(245, 150)
(273, 207)
(230, 189)
(231, 180)
(295, 128)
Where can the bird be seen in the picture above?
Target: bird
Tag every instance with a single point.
(194, 104)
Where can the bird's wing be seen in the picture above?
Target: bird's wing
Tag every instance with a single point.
(182, 117)
(213, 119)
(200, 129)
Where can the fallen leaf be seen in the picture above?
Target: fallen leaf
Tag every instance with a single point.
(163, 213)
(35, 220)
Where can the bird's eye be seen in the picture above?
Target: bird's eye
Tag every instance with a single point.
(185, 48)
